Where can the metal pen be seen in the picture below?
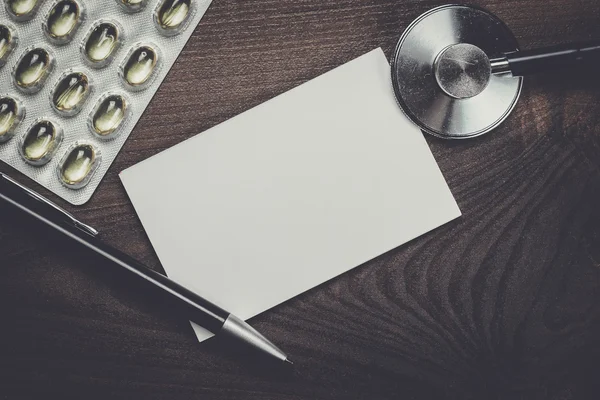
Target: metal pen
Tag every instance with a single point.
(198, 309)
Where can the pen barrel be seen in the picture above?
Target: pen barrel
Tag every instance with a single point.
(556, 58)
(197, 309)
(193, 306)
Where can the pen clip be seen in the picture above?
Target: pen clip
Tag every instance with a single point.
(65, 214)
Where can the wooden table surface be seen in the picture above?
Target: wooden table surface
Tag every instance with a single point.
(502, 303)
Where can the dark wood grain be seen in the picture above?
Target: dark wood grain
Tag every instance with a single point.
(503, 303)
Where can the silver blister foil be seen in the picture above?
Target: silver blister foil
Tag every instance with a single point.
(103, 70)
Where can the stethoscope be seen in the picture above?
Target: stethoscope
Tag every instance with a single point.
(457, 72)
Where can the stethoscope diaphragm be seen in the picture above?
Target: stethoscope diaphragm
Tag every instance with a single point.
(442, 76)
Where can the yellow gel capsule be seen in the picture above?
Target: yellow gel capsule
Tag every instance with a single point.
(10, 116)
(63, 20)
(33, 69)
(70, 93)
(78, 165)
(7, 42)
(172, 14)
(101, 43)
(109, 115)
(23, 9)
(40, 142)
(140, 66)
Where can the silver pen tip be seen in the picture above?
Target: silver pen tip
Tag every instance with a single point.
(288, 361)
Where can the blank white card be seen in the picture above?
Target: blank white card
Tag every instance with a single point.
(291, 193)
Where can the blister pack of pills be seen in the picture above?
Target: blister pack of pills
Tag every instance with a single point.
(75, 77)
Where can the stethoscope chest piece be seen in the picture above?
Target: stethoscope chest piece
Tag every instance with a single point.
(442, 72)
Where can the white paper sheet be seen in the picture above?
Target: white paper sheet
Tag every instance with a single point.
(291, 193)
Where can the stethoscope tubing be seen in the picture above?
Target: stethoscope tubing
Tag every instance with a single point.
(556, 58)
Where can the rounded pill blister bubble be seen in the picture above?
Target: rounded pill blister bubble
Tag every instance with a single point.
(101, 43)
(171, 15)
(62, 21)
(78, 165)
(40, 142)
(32, 69)
(7, 43)
(133, 5)
(108, 115)
(22, 10)
(11, 114)
(139, 66)
(70, 93)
